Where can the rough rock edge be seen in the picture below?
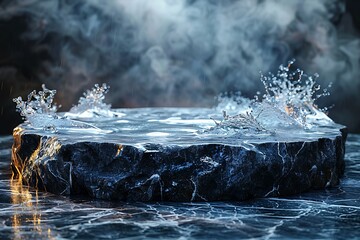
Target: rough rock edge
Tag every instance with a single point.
(210, 172)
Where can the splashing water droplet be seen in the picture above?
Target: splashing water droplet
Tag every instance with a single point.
(288, 92)
(37, 103)
(92, 104)
(289, 101)
(40, 112)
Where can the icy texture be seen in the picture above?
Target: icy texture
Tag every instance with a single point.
(39, 112)
(92, 105)
(37, 103)
(246, 121)
(289, 102)
(295, 93)
(180, 126)
(233, 103)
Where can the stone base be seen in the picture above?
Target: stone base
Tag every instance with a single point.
(176, 172)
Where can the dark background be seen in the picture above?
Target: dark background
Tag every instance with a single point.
(176, 53)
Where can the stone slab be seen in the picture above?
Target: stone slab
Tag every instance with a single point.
(167, 154)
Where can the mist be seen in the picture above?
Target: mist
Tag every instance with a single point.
(181, 52)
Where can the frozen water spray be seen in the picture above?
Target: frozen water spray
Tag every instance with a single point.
(288, 102)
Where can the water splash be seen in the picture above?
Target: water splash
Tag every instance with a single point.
(233, 103)
(37, 103)
(295, 93)
(39, 109)
(92, 104)
(244, 120)
(288, 102)
(40, 112)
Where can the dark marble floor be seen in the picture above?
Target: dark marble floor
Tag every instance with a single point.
(328, 214)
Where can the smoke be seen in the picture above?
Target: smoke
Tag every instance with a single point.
(185, 52)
